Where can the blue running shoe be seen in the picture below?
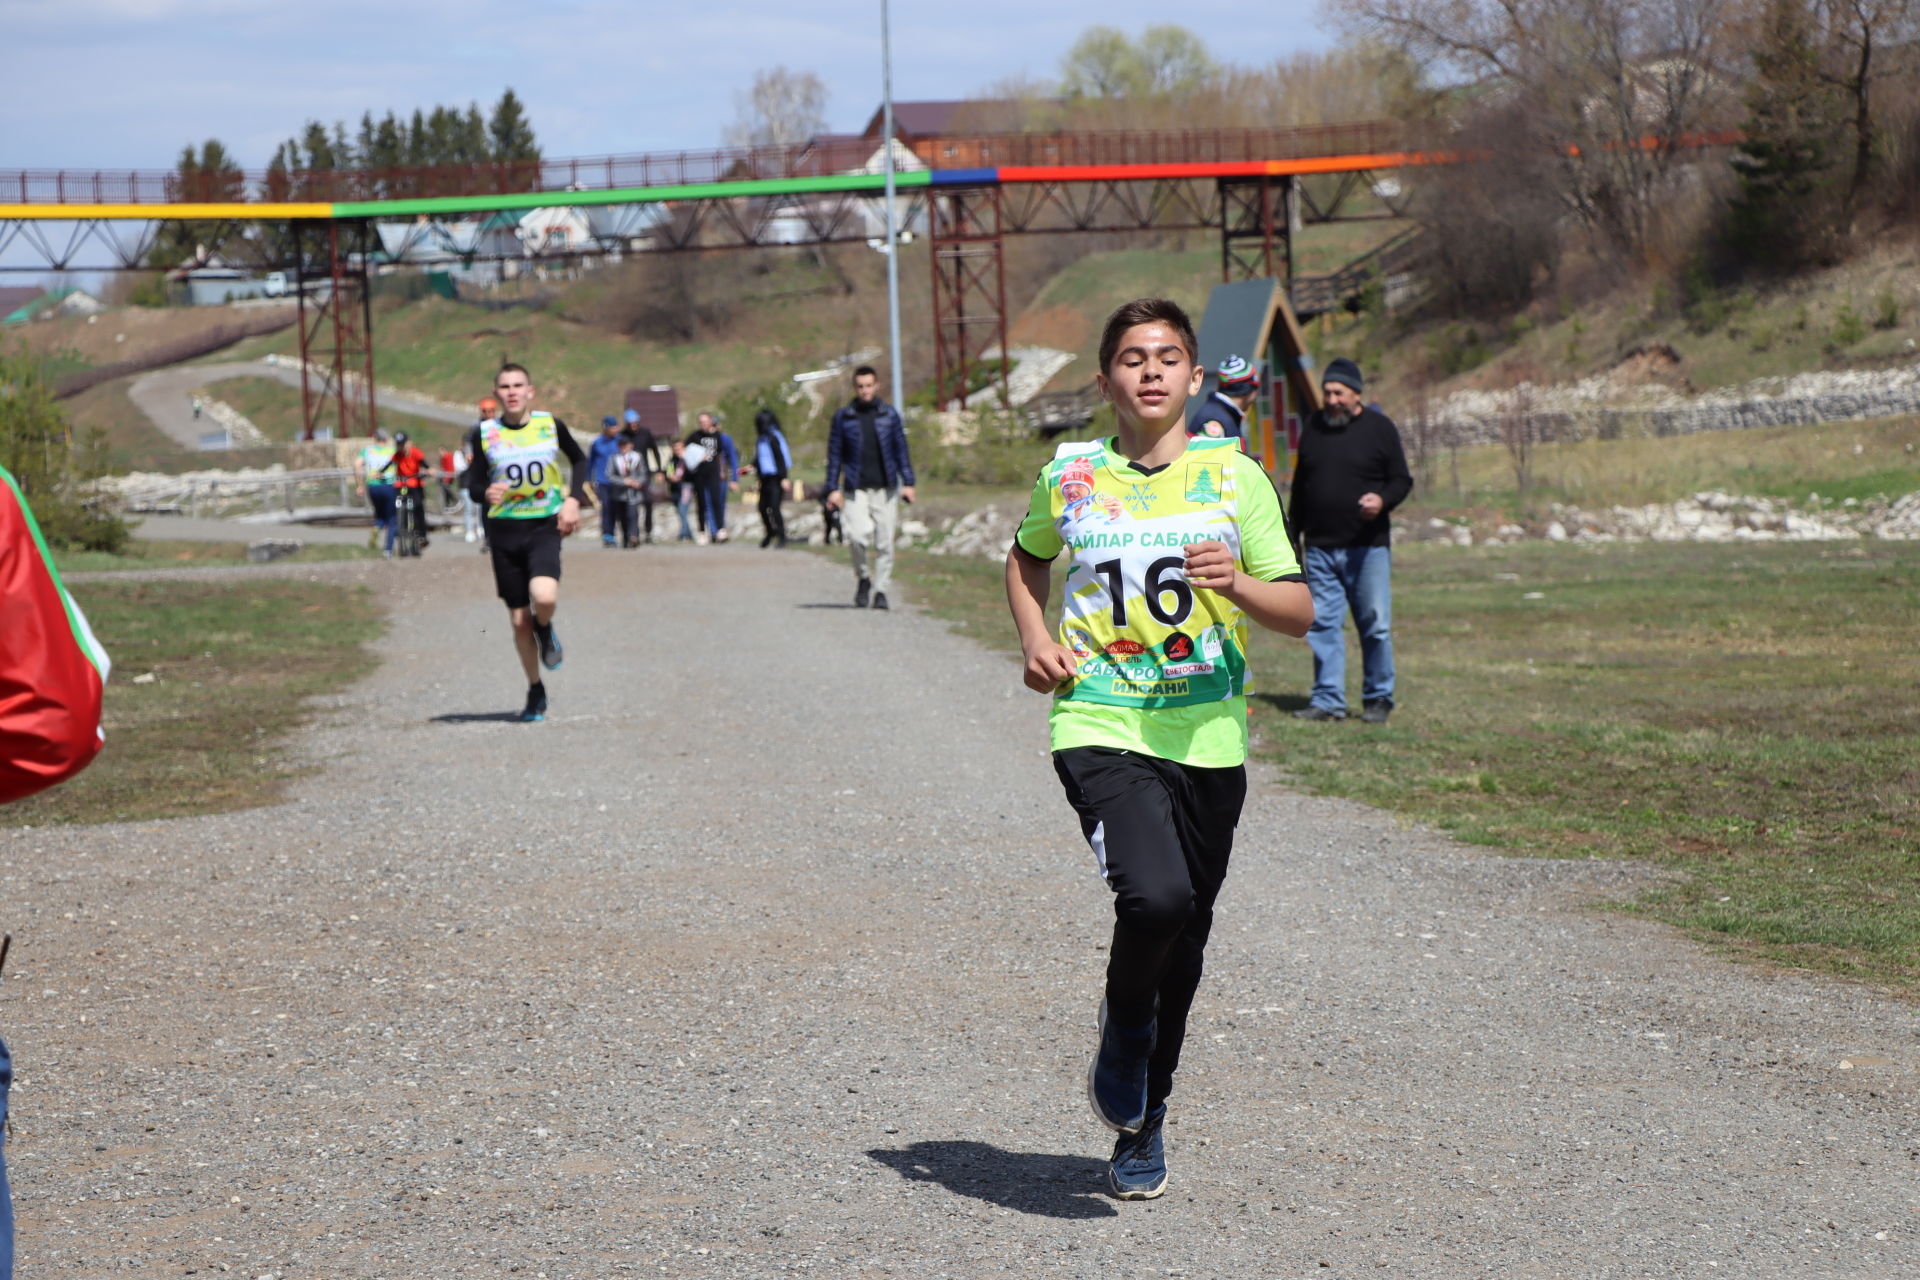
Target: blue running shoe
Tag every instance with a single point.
(550, 651)
(1138, 1170)
(536, 708)
(1117, 1076)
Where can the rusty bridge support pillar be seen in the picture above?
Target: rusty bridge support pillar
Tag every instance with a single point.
(1256, 229)
(969, 289)
(336, 328)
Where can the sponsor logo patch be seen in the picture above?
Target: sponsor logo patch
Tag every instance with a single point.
(1126, 648)
(1080, 643)
(1178, 647)
(1203, 482)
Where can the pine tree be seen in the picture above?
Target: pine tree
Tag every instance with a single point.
(1789, 209)
(206, 176)
(509, 132)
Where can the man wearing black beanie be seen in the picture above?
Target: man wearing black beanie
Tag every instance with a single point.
(1351, 473)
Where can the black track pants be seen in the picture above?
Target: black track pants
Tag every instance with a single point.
(1162, 833)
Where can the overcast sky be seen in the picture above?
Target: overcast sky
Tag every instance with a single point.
(127, 83)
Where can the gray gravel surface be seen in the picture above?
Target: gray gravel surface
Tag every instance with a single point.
(776, 951)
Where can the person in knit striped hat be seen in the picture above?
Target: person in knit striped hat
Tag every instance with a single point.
(1224, 413)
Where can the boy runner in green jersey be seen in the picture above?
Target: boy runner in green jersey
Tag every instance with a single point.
(1176, 545)
(516, 473)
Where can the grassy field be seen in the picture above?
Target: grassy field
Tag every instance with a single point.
(1744, 716)
(274, 407)
(165, 553)
(1839, 460)
(232, 665)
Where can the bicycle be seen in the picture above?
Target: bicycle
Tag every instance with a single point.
(406, 535)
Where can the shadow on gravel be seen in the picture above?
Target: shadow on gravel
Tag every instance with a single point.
(477, 717)
(1049, 1186)
(825, 605)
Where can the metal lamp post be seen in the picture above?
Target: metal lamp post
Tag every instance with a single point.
(893, 231)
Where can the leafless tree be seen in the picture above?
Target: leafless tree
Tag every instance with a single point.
(1862, 36)
(1611, 87)
(783, 108)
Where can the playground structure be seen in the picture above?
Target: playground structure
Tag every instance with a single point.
(1255, 187)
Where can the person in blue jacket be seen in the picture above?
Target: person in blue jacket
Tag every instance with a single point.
(773, 463)
(605, 447)
(869, 472)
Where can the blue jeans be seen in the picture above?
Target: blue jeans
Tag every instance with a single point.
(609, 514)
(1360, 579)
(382, 498)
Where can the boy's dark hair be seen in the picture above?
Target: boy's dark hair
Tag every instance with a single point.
(766, 420)
(507, 366)
(867, 371)
(1146, 311)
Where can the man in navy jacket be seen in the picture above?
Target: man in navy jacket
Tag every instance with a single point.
(868, 471)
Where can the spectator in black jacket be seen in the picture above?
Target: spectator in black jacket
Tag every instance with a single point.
(869, 472)
(1352, 471)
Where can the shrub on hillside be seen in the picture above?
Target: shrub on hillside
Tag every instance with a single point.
(57, 476)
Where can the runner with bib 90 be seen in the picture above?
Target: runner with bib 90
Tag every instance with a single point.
(516, 474)
(1175, 544)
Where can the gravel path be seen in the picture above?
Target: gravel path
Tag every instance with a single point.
(776, 952)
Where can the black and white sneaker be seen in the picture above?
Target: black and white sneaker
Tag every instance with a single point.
(551, 653)
(1138, 1170)
(536, 708)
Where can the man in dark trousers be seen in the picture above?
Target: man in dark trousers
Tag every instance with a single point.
(868, 472)
(1352, 472)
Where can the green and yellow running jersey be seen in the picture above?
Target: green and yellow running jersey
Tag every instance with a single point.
(1161, 664)
(527, 458)
(373, 458)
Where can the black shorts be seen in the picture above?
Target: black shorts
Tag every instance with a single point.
(522, 551)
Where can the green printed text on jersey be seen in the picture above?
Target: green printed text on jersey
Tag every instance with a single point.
(527, 459)
(1140, 633)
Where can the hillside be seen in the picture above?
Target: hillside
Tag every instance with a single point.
(731, 329)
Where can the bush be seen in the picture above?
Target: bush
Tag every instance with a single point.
(1848, 328)
(1886, 310)
(56, 475)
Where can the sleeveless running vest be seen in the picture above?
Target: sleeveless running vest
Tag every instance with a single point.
(1143, 636)
(527, 458)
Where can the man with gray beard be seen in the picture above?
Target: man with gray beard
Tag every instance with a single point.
(1351, 473)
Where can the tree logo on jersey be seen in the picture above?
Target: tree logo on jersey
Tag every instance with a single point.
(1203, 482)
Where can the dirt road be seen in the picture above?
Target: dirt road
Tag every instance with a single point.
(776, 952)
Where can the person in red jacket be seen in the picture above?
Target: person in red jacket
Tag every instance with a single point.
(52, 676)
(411, 468)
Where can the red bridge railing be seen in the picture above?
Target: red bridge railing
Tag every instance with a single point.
(679, 168)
